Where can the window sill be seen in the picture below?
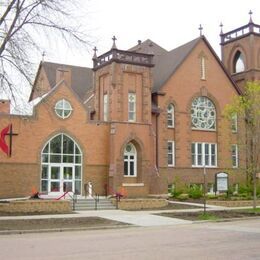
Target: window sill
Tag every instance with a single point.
(171, 166)
(171, 127)
(132, 184)
(203, 129)
(130, 176)
(200, 166)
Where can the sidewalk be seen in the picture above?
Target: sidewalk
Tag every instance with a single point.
(137, 218)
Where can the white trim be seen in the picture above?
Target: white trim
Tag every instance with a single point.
(87, 100)
(132, 184)
(129, 160)
(172, 154)
(170, 111)
(130, 94)
(234, 155)
(61, 165)
(234, 124)
(203, 155)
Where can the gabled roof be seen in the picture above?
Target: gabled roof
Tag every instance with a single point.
(81, 77)
(167, 62)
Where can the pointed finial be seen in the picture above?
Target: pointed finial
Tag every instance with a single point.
(43, 55)
(150, 51)
(250, 14)
(114, 42)
(95, 53)
(200, 29)
(221, 28)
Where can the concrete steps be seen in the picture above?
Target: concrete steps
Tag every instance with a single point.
(89, 204)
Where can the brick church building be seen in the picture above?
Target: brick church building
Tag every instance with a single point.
(138, 121)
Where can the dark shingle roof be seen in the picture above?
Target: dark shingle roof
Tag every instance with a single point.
(81, 77)
(166, 62)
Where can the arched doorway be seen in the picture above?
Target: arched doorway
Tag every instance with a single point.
(61, 166)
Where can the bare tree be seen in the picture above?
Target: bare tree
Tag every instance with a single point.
(22, 24)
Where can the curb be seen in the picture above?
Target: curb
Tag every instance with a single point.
(53, 230)
(224, 220)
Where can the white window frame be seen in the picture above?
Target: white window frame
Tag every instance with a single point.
(234, 155)
(198, 159)
(131, 109)
(63, 109)
(203, 68)
(170, 116)
(234, 123)
(129, 160)
(198, 107)
(47, 163)
(105, 107)
(171, 153)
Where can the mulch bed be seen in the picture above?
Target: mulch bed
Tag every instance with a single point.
(223, 214)
(57, 223)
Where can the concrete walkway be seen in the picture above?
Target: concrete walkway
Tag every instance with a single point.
(137, 218)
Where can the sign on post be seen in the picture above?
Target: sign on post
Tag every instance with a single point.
(222, 182)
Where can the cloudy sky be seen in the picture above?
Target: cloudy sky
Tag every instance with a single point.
(169, 23)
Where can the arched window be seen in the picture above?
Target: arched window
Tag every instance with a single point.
(61, 161)
(170, 115)
(130, 160)
(203, 114)
(238, 62)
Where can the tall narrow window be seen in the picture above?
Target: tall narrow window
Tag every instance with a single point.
(204, 154)
(171, 157)
(234, 123)
(131, 107)
(234, 151)
(202, 68)
(130, 160)
(105, 111)
(238, 63)
(170, 116)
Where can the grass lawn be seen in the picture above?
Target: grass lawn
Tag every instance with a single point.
(213, 215)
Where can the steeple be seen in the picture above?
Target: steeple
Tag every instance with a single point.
(240, 52)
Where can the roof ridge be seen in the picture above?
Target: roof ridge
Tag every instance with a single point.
(63, 64)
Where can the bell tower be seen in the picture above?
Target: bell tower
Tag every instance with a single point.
(240, 50)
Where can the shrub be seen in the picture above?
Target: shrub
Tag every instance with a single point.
(195, 192)
(183, 196)
(212, 196)
(245, 189)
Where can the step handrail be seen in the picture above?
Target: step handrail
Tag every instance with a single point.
(88, 189)
(73, 197)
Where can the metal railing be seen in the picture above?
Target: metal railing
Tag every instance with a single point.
(73, 198)
(90, 192)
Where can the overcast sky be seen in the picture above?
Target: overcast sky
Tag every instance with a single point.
(169, 23)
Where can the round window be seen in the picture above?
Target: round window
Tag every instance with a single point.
(128, 148)
(63, 108)
(203, 113)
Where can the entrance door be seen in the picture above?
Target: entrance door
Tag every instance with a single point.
(61, 179)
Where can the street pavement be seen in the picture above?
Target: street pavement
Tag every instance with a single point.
(226, 240)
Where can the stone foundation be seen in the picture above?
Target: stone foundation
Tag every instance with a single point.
(137, 204)
(36, 206)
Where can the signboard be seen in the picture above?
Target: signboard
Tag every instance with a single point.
(222, 182)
